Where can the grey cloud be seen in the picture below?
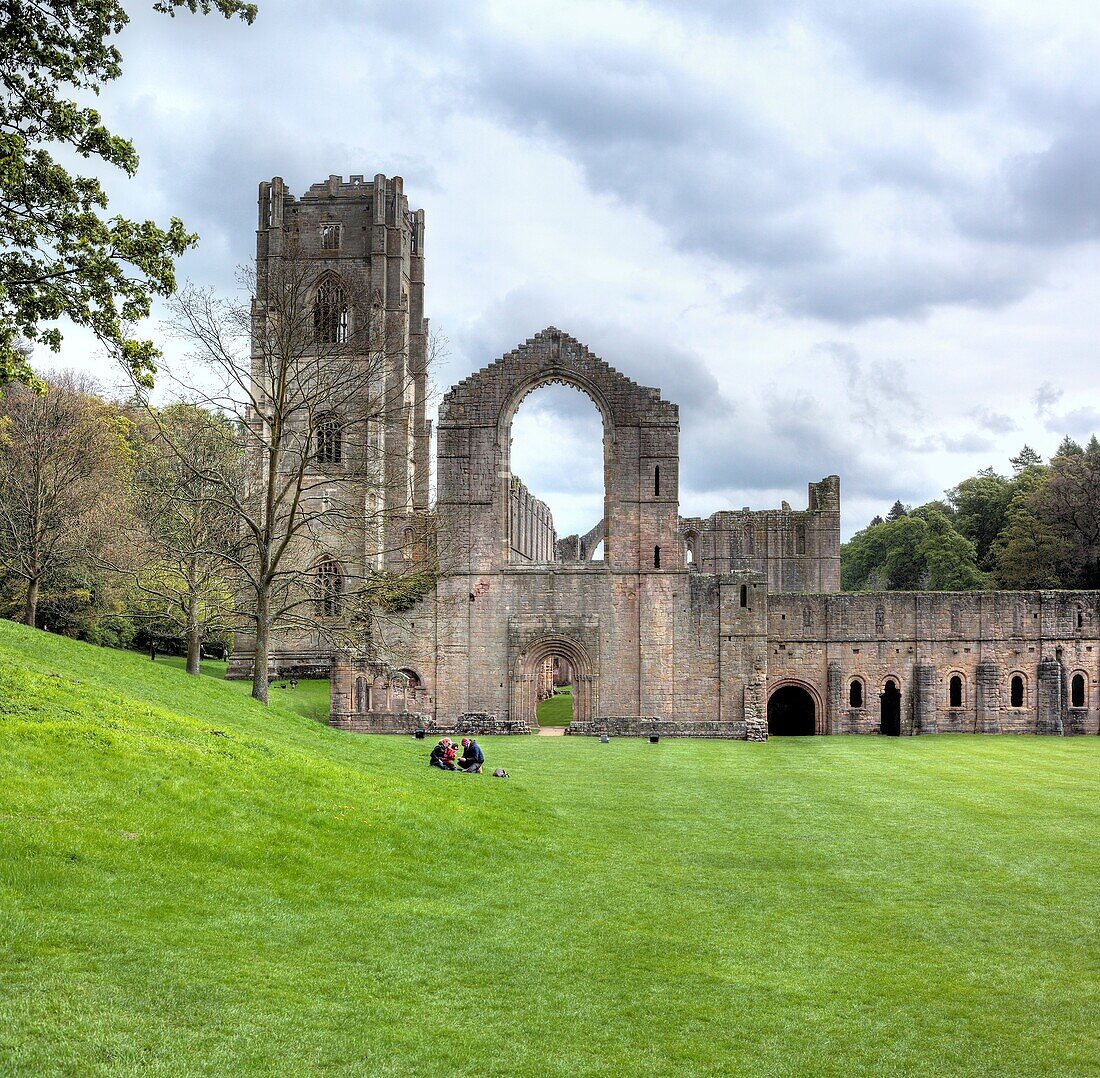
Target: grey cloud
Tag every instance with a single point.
(968, 443)
(994, 422)
(941, 51)
(855, 290)
(1045, 198)
(1045, 397)
(1079, 422)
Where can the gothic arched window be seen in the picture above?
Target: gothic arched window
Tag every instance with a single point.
(855, 693)
(955, 691)
(330, 313)
(1016, 691)
(330, 440)
(1077, 691)
(328, 589)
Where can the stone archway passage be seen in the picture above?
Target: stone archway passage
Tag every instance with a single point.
(525, 679)
(791, 712)
(890, 710)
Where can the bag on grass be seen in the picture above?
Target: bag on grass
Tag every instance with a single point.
(500, 773)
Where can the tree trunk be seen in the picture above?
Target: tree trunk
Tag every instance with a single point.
(194, 636)
(259, 653)
(30, 607)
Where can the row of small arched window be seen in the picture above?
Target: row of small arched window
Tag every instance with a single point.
(1017, 691)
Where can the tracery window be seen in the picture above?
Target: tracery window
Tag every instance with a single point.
(330, 237)
(329, 587)
(330, 313)
(330, 440)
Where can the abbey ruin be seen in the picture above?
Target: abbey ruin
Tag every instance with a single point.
(729, 626)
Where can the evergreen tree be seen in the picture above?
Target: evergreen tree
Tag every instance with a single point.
(897, 511)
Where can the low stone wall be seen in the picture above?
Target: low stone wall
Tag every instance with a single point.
(387, 722)
(643, 727)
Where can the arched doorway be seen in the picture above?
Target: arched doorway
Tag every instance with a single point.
(530, 676)
(792, 712)
(890, 709)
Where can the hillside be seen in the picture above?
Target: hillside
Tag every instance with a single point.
(190, 883)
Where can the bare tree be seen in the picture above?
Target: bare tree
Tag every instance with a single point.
(315, 375)
(187, 537)
(64, 455)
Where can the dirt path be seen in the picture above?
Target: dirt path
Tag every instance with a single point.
(551, 731)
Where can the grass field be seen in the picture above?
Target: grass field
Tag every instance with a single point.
(191, 884)
(556, 710)
(309, 697)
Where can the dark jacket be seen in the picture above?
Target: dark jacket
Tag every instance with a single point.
(439, 754)
(472, 754)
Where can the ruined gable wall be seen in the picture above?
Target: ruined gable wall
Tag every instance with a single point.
(796, 550)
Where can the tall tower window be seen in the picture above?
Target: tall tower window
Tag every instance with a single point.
(330, 237)
(330, 440)
(330, 314)
(656, 480)
(329, 586)
(656, 557)
(955, 691)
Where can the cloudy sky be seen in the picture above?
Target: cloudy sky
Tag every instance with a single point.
(844, 237)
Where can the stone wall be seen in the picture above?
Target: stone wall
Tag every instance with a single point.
(923, 640)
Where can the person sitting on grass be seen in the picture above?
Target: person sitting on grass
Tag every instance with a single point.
(472, 757)
(443, 755)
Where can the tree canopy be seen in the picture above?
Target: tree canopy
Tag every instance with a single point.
(1039, 528)
(61, 255)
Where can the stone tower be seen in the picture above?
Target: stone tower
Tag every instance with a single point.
(359, 237)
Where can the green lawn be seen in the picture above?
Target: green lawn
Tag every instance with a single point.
(556, 710)
(309, 697)
(287, 899)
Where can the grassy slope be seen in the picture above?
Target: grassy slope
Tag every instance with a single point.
(289, 899)
(557, 710)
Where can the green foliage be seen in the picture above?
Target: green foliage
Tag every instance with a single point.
(920, 550)
(981, 504)
(61, 256)
(192, 883)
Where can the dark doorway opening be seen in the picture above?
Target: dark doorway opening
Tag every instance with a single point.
(791, 712)
(890, 710)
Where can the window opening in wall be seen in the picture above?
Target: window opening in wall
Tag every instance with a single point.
(656, 557)
(330, 314)
(330, 237)
(744, 596)
(1077, 691)
(361, 698)
(955, 691)
(656, 480)
(329, 586)
(556, 460)
(330, 440)
(855, 693)
(1016, 691)
(1080, 618)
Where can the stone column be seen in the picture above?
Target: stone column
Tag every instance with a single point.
(924, 699)
(834, 704)
(987, 698)
(1048, 698)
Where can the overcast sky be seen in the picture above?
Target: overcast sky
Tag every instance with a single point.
(843, 236)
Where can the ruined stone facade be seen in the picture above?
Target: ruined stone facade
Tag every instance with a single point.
(729, 626)
(723, 627)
